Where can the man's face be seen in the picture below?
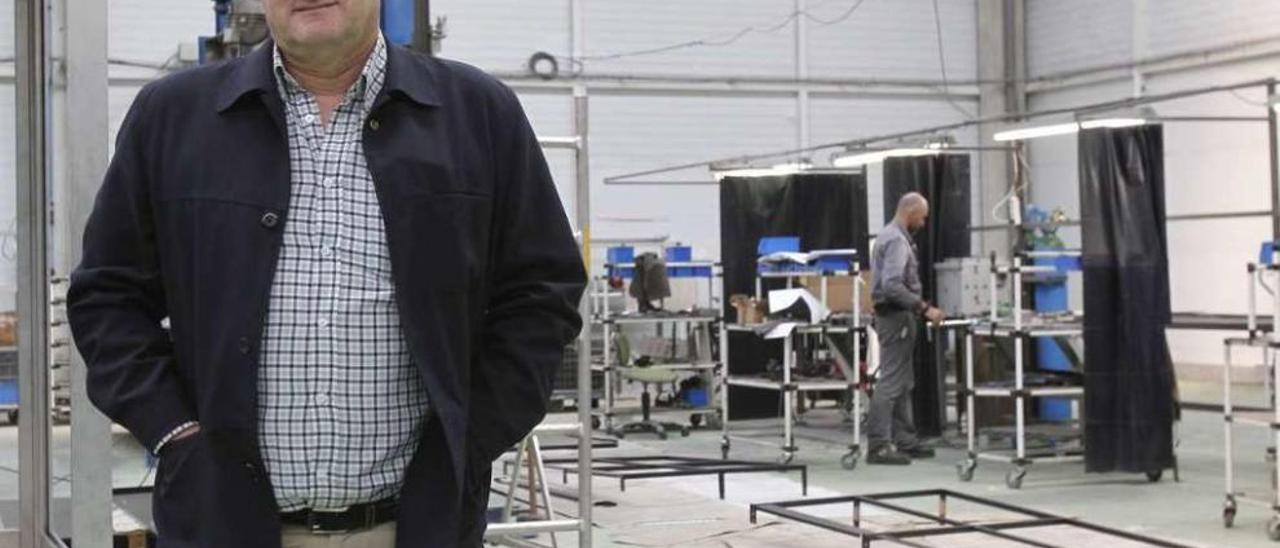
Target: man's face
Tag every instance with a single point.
(917, 218)
(321, 23)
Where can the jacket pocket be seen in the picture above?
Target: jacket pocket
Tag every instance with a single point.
(176, 498)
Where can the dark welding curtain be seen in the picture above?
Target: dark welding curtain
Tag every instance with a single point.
(827, 211)
(1129, 405)
(944, 181)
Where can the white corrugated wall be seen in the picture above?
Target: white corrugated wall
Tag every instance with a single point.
(1209, 167)
(634, 128)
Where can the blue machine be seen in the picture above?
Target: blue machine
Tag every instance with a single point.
(1051, 296)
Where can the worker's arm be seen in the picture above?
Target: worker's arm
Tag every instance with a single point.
(895, 256)
(536, 278)
(116, 300)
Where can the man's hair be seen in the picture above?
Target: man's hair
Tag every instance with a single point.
(911, 201)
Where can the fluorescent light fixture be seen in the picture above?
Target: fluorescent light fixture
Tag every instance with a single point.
(1032, 132)
(788, 168)
(793, 167)
(856, 159)
(1113, 123)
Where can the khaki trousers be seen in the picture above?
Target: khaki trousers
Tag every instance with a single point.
(382, 536)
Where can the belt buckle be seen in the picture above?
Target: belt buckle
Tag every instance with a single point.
(315, 527)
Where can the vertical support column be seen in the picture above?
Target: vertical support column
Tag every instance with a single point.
(1274, 149)
(33, 274)
(1227, 418)
(856, 359)
(583, 200)
(1001, 68)
(802, 75)
(582, 215)
(86, 50)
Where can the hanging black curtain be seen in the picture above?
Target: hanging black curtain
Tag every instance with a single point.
(826, 210)
(1129, 404)
(943, 180)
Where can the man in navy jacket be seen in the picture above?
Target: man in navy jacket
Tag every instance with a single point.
(328, 176)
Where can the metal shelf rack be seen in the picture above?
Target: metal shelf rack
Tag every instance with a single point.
(699, 326)
(1268, 343)
(788, 385)
(1020, 332)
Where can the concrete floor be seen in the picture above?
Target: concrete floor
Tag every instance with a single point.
(686, 512)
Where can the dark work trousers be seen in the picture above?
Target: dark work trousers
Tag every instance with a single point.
(890, 417)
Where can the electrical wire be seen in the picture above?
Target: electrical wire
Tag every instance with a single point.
(1247, 100)
(579, 62)
(942, 63)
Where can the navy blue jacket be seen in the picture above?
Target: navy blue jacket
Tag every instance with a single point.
(188, 226)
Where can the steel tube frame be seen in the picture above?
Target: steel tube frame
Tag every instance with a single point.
(634, 468)
(31, 110)
(1036, 518)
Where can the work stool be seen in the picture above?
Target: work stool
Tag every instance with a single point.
(647, 376)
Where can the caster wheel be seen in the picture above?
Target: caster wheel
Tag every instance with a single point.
(684, 432)
(695, 420)
(724, 449)
(595, 423)
(1228, 517)
(850, 460)
(619, 435)
(1013, 479)
(786, 458)
(1154, 477)
(662, 436)
(964, 470)
(1273, 528)
(13, 417)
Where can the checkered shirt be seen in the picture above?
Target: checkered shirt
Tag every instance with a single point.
(340, 401)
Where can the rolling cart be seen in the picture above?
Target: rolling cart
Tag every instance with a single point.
(788, 385)
(1017, 329)
(1268, 419)
(697, 326)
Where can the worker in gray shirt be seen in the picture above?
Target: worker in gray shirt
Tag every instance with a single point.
(896, 292)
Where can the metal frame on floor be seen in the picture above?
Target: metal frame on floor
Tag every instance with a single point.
(945, 525)
(634, 468)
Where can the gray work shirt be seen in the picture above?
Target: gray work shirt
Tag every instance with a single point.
(895, 273)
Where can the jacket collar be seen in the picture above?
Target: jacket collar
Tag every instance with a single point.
(406, 75)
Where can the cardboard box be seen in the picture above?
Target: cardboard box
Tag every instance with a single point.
(840, 292)
(751, 311)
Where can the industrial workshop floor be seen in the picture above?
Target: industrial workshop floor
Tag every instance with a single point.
(686, 511)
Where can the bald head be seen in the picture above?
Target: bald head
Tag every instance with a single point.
(913, 209)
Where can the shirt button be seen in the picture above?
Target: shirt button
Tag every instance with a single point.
(328, 183)
(243, 345)
(322, 399)
(326, 251)
(309, 119)
(270, 220)
(324, 322)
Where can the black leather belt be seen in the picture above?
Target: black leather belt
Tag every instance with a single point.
(352, 518)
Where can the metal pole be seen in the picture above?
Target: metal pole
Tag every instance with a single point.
(33, 276)
(87, 129)
(1019, 400)
(582, 202)
(1274, 149)
(422, 27)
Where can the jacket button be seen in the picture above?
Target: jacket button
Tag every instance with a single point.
(374, 124)
(244, 345)
(270, 220)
